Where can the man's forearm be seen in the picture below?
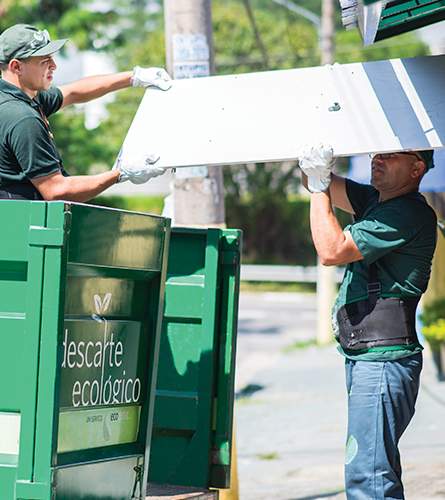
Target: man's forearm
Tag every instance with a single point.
(85, 187)
(76, 188)
(92, 87)
(327, 233)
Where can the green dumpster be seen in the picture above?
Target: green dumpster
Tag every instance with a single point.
(81, 292)
(192, 428)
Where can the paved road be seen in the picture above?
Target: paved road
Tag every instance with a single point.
(292, 420)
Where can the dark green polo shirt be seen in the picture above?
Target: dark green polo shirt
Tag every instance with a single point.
(27, 149)
(399, 235)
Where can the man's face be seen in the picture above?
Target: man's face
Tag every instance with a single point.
(394, 171)
(36, 73)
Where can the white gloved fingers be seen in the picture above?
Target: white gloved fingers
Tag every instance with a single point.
(318, 156)
(317, 163)
(163, 80)
(146, 175)
(151, 159)
(137, 169)
(151, 77)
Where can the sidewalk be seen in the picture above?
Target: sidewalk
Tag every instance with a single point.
(291, 429)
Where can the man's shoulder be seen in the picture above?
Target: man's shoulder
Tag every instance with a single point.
(409, 212)
(13, 111)
(50, 100)
(412, 204)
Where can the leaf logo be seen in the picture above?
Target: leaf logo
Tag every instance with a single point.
(102, 305)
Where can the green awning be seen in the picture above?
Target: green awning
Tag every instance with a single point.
(401, 16)
(378, 19)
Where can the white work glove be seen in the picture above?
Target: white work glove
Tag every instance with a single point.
(137, 170)
(317, 163)
(151, 77)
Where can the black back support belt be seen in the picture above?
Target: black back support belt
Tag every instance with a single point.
(377, 321)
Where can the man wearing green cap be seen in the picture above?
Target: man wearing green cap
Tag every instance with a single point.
(30, 165)
(387, 251)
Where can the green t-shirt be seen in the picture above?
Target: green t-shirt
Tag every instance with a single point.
(399, 235)
(27, 148)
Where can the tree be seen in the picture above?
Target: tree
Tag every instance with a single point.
(259, 197)
(106, 30)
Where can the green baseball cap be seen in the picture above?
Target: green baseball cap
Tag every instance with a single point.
(23, 40)
(427, 156)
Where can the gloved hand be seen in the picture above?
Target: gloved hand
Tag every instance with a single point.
(317, 163)
(151, 77)
(137, 170)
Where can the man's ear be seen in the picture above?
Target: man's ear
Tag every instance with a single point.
(14, 66)
(419, 170)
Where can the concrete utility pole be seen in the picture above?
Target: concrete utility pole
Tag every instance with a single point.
(198, 196)
(326, 283)
(327, 32)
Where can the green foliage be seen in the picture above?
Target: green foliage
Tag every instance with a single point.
(146, 204)
(62, 18)
(289, 43)
(433, 311)
(149, 51)
(349, 47)
(82, 150)
(275, 227)
(261, 200)
(435, 334)
(433, 319)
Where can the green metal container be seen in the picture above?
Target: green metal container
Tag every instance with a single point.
(192, 428)
(81, 291)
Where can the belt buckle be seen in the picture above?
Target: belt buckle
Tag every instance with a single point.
(374, 287)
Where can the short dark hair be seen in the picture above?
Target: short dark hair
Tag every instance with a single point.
(4, 67)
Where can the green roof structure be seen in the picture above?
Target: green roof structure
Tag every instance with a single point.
(380, 19)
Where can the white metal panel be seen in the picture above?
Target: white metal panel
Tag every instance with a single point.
(358, 108)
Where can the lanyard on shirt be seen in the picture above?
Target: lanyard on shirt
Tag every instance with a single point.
(45, 121)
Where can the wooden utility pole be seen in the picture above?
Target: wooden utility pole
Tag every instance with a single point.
(198, 195)
(326, 282)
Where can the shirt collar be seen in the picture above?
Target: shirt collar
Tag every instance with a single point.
(13, 91)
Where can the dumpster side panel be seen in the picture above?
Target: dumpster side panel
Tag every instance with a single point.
(231, 242)
(107, 356)
(191, 440)
(183, 410)
(106, 480)
(21, 270)
(58, 216)
(94, 272)
(121, 241)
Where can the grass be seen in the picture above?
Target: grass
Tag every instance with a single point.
(244, 401)
(300, 344)
(268, 456)
(276, 286)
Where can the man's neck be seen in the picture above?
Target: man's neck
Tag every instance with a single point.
(14, 80)
(388, 195)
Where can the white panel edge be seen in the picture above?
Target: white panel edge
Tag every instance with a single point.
(416, 103)
(9, 433)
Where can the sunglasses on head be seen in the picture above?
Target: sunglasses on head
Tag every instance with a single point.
(387, 156)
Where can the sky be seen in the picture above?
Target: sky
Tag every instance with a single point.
(434, 36)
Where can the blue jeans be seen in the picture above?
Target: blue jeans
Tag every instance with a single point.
(381, 400)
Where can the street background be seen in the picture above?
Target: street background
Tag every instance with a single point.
(291, 409)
